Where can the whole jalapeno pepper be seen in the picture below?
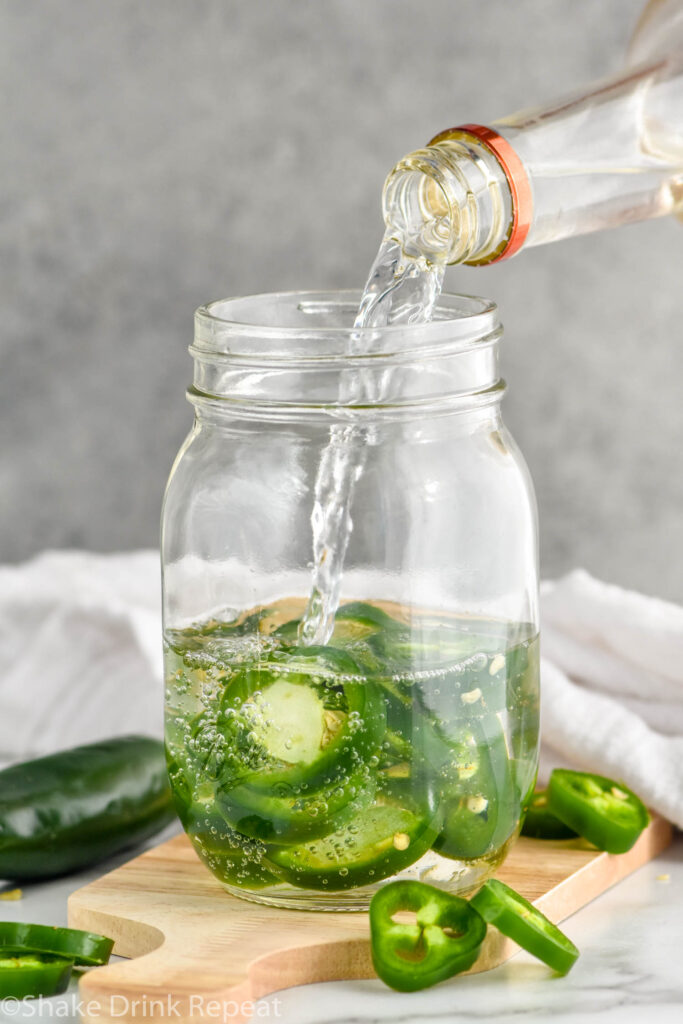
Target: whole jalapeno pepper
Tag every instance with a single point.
(75, 807)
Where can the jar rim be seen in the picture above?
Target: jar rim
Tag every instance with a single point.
(252, 326)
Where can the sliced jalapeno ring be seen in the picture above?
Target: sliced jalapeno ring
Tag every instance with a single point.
(541, 823)
(515, 917)
(366, 618)
(606, 813)
(444, 939)
(294, 815)
(234, 859)
(307, 718)
(474, 788)
(32, 975)
(83, 948)
(386, 838)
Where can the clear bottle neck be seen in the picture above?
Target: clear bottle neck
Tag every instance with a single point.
(610, 155)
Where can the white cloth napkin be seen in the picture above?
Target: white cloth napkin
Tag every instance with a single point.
(612, 687)
(80, 650)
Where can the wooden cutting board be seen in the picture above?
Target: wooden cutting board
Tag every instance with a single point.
(191, 943)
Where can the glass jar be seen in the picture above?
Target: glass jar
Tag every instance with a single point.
(405, 744)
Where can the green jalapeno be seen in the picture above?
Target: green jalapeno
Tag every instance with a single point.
(606, 813)
(286, 754)
(32, 975)
(444, 939)
(515, 917)
(307, 716)
(83, 948)
(61, 812)
(235, 859)
(295, 814)
(474, 788)
(541, 823)
(386, 838)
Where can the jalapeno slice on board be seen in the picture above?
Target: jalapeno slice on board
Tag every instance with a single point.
(605, 812)
(386, 838)
(32, 975)
(541, 823)
(444, 939)
(515, 917)
(84, 948)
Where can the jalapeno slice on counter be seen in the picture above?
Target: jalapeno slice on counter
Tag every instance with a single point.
(444, 939)
(32, 975)
(605, 812)
(541, 823)
(515, 917)
(83, 948)
(386, 838)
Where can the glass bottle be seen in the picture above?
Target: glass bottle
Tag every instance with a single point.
(406, 744)
(609, 155)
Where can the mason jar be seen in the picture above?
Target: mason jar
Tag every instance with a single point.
(350, 602)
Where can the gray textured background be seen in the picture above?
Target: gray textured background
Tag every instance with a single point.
(157, 155)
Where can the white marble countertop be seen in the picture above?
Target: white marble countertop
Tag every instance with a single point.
(630, 970)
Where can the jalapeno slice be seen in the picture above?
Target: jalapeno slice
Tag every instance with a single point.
(285, 754)
(305, 716)
(234, 859)
(444, 939)
(474, 788)
(291, 815)
(363, 620)
(541, 823)
(83, 948)
(515, 917)
(386, 838)
(605, 812)
(32, 975)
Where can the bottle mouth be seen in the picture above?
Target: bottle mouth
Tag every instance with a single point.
(417, 210)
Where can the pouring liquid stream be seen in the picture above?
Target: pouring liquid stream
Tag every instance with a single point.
(399, 290)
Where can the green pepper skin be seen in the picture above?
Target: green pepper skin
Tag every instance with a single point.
(231, 857)
(349, 750)
(605, 812)
(31, 976)
(540, 823)
(385, 839)
(515, 917)
(444, 940)
(86, 949)
(76, 807)
(291, 818)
